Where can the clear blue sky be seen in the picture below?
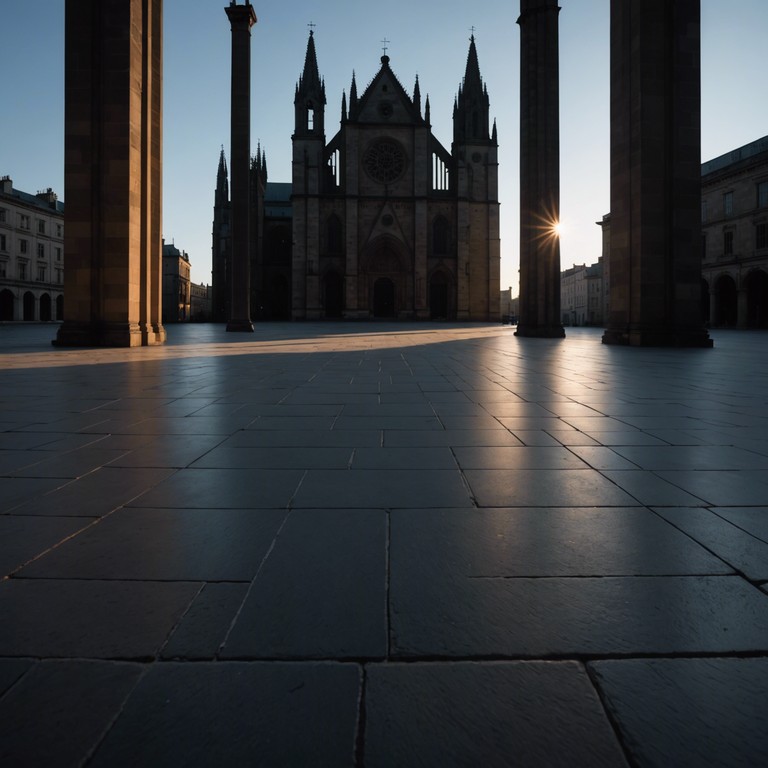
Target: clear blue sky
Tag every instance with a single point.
(429, 38)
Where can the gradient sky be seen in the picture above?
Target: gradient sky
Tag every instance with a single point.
(429, 38)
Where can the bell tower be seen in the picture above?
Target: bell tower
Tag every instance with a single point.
(308, 147)
(476, 159)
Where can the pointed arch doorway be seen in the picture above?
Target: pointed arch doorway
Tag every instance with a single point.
(383, 297)
(386, 278)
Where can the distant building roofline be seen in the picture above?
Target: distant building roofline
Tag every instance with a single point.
(735, 156)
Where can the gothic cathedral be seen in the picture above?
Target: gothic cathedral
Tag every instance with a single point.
(379, 222)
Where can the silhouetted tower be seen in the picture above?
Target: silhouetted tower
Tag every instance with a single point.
(257, 197)
(539, 171)
(242, 18)
(308, 167)
(655, 174)
(475, 151)
(220, 244)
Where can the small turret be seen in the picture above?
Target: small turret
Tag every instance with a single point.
(417, 96)
(353, 97)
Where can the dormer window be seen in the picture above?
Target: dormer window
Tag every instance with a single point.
(310, 117)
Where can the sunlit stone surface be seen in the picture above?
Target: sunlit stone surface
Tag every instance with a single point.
(373, 544)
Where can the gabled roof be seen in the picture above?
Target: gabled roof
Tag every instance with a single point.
(385, 88)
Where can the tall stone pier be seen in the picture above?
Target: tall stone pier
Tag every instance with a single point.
(241, 18)
(539, 170)
(113, 174)
(655, 256)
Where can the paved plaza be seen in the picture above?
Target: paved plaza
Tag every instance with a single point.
(383, 545)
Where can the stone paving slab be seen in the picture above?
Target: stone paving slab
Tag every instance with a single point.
(206, 624)
(171, 545)
(238, 714)
(574, 617)
(321, 592)
(229, 488)
(59, 711)
(382, 488)
(743, 551)
(94, 495)
(11, 670)
(704, 712)
(495, 714)
(545, 488)
(451, 544)
(90, 619)
(23, 538)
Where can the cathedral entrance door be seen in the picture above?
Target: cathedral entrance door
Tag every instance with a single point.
(438, 298)
(333, 294)
(383, 298)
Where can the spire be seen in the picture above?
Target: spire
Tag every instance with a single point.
(417, 96)
(222, 180)
(343, 106)
(310, 95)
(472, 79)
(470, 112)
(427, 114)
(311, 76)
(353, 97)
(494, 135)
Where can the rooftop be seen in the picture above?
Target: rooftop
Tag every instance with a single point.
(383, 544)
(746, 152)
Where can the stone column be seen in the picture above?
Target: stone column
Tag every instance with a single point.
(113, 173)
(655, 258)
(539, 170)
(241, 18)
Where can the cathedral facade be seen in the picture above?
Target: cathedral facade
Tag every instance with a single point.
(381, 221)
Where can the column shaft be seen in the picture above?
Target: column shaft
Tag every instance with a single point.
(539, 170)
(112, 173)
(655, 257)
(242, 18)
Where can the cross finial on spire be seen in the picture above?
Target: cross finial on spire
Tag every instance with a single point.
(311, 26)
(472, 30)
(385, 43)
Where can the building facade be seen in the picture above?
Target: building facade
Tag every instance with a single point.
(380, 221)
(31, 254)
(734, 213)
(199, 303)
(176, 285)
(573, 293)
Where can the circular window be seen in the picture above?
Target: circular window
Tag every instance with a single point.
(384, 161)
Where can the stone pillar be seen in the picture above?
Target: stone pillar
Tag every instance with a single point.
(241, 18)
(655, 258)
(539, 170)
(113, 173)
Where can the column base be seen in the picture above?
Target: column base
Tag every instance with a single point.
(541, 331)
(239, 326)
(155, 334)
(72, 334)
(654, 338)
